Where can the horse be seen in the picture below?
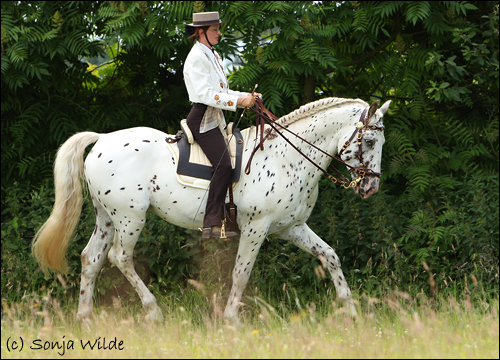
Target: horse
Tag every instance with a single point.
(131, 171)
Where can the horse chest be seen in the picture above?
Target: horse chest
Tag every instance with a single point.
(280, 195)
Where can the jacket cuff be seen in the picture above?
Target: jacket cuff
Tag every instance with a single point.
(225, 101)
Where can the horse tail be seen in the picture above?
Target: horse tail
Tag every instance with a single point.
(51, 241)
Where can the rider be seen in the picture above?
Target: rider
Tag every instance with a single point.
(209, 92)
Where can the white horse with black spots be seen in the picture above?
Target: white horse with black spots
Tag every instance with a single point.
(131, 171)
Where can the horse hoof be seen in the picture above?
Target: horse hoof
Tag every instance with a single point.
(351, 311)
(233, 322)
(155, 317)
(83, 316)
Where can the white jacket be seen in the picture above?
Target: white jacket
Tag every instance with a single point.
(206, 81)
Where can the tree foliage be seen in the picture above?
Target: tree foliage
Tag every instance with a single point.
(107, 65)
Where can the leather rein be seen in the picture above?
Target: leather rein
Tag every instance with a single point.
(264, 115)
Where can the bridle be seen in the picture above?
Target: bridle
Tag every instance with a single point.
(264, 115)
(361, 125)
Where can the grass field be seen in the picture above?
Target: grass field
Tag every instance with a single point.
(398, 326)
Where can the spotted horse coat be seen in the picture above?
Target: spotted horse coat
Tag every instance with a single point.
(131, 171)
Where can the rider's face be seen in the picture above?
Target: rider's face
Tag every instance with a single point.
(213, 34)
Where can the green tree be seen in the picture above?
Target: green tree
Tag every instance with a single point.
(50, 88)
(107, 65)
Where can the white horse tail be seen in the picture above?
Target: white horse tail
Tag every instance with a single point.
(51, 241)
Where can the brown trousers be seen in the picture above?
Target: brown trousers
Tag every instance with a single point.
(213, 145)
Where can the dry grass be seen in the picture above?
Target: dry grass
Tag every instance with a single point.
(398, 326)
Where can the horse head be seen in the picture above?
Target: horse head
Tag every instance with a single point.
(362, 150)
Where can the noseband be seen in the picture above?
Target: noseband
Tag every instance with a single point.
(262, 114)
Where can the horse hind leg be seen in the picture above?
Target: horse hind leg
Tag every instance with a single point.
(303, 237)
(121, 255)
(93, 257)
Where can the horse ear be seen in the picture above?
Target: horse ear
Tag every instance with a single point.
(373, 109)
(385, 107)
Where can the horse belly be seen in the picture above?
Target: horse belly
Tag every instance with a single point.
(177, 204)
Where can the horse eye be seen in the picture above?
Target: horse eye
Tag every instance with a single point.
(370, 142)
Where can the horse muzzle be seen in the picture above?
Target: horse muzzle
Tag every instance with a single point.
(367, 187)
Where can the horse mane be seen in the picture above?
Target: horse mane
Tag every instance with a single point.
(314, 107)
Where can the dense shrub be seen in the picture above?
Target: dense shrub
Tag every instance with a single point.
(382, 243)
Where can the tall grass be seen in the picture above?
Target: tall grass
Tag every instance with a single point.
(396, 326)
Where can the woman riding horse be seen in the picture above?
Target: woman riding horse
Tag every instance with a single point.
(209, 92)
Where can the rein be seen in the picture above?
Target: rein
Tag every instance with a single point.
(263, 114)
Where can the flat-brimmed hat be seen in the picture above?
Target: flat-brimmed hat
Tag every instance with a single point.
(203, 19)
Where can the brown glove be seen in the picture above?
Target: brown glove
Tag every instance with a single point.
(246, 101)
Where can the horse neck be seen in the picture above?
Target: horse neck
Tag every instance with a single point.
(324, 129)
(323, 123)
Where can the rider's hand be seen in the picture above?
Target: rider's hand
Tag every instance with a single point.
(246, 101)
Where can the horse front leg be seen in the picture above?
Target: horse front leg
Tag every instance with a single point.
(251, 238)
(302, 236)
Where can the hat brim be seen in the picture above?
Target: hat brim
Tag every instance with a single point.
(207, 23)
(189, 29)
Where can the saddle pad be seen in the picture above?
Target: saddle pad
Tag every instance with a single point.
(194, 168)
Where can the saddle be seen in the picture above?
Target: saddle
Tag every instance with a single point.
(194, 163)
